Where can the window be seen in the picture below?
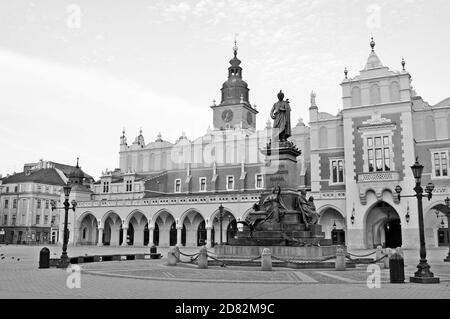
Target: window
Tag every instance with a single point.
(5, 219)
(53, 220)
(379, 153)
(259, 181)
(129, 186)
(14, 203)
(177, 187)
(47, 203)
(105, 187)
(46, 219)
(202, 184)
(38, 219)
(47, 189)
(230, 182)
(337, 171)
(13, 221)
(39, 188)
(38, 203)
(6, 203)
(16, 189)
(440, 163)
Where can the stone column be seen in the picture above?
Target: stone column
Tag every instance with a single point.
(100, 237)
(179, 236)
(340, 259)
(202, 260)
(150, 237)
(209, 237)
(124, 236)
(266, 260)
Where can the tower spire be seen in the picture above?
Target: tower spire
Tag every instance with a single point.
(372, 44)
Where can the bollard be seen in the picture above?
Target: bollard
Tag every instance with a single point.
(44, 258)
(397, 267)
(387, 252)
(202, 259)
(171, 257)
(266, 260)
(340, 259)
(177, 253)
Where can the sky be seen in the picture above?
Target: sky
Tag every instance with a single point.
(74, 74)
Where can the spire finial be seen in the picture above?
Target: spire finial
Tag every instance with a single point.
(123, 132)
(140, 130)
(78, 159)
(372, 44)
(346, 72)
(403, 63)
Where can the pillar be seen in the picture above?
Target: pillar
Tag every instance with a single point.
(150, 237)
(100, 237)
(266, 260)
(124, 236)
(209, 237)
(340, 259)
(179, 236)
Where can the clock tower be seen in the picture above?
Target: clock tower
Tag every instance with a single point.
(234, 110)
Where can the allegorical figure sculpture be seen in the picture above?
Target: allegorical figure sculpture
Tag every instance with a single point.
(307, 208)
(281, 114)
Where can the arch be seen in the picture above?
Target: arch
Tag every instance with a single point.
(394, 91)
(112, 228)
(226, 211)
(162, 222)
(323, 137)
(187, 212)
(191, 220)
(87, 227)
(356, 96)
(375, 96)
(333, 224)
(131, 215)
(382, 226)
(136, 222)
(435, 234)
(244, 216)
(158, 214)
(109, 214)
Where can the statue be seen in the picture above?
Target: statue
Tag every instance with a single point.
(274, 206)
(307, 208)
(281, 114)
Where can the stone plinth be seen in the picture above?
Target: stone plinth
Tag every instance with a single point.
(291, 252)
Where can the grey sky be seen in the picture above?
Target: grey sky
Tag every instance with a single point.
(70, 82)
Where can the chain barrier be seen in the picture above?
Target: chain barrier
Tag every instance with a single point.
(187, 255)
(361, 256)
(300, 260)
(366, 262)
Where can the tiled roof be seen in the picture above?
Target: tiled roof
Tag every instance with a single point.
(44, 176)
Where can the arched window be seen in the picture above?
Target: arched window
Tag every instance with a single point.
(323, 137)
(375, 94)
(356, 96)
(394, 91)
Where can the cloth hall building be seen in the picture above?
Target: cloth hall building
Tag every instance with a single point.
(167, 193)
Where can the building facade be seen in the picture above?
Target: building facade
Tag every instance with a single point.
(25, 203)
(170, 193)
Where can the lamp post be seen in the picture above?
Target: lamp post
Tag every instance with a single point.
(447, 203)
(64, 260)
(423, 275)
(220, 222)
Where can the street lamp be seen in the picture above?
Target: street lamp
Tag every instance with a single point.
(423, 275)
(407, 217)
(447, 203)
(64, 261)
(352, 218)
(220, 222)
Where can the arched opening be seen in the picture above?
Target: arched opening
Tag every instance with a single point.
(436, 226)
(173, 234)
(146, 235)
(112, 230)
(130, 234)
(163, 233)
(383, 227)
(193, 228)
(229, 227)
(137, 224)
(333, 225)
(88, 230)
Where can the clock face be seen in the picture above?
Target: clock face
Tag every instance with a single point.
(249, 118)
(227, 115)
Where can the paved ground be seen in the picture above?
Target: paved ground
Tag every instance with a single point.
(21, 278)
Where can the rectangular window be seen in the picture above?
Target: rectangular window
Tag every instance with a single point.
(14, 203)
(177, 187)
(337, 171)
(16, 189)
(6, 203)
(38, 219)
(46, 219)
(5, 219)
(378, 154)
(259, 181)
(13, 221)
(440, 163)
(129, 186)
(105, 187)
(53, 220)
(7, 189)
(38, 203)
(230, 183)
(202, 183)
